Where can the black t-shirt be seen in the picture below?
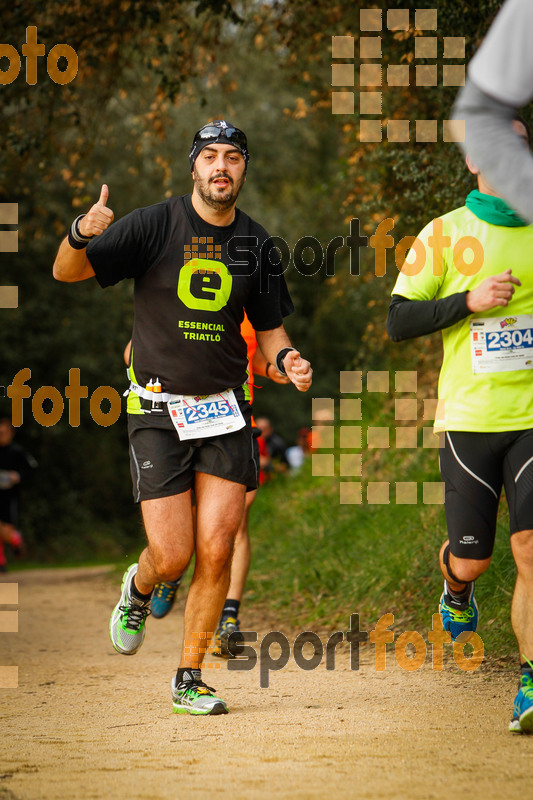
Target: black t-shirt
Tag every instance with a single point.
(193, 282)
(13, 458)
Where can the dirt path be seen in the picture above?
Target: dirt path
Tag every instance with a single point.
(86, 722)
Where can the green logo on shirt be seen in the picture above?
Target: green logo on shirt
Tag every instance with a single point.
(204, 285)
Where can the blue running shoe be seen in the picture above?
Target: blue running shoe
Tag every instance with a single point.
(522, 721)
(458, 616)
(164, 597)
(228, 638)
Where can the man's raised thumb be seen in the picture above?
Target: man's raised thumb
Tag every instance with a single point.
(104, 194)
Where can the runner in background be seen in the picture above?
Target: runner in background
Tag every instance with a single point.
(500, 81)
(276, 448)
(229, 623)
(165, 592)
(483, 306)
(297, 453)
(15, 465)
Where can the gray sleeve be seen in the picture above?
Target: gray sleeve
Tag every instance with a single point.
(503, 65)
(494, 148)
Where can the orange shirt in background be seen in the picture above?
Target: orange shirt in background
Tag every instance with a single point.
(248, 334)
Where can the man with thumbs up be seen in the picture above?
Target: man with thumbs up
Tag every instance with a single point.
(198, 263)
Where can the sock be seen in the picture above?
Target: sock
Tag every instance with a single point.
(141, 598)
(526, 669)
(188, 674)
(231, 608)
(462, 595)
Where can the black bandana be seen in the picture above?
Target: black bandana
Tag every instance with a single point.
(219, 132)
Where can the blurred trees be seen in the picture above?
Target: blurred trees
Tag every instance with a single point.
(58, 143)
(150, 74)
(343, 324)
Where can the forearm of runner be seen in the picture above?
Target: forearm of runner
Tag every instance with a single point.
(71, 265)
(260, 363)
(271, 342)
(408, 319)
(495, 148)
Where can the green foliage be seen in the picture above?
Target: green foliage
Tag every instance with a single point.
(59, 143)
(315, 562)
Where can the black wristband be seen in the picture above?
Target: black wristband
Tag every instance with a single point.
(76, 239)
(76, 245)
(279, 359)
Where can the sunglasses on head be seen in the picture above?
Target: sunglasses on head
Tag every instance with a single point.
(214, 131)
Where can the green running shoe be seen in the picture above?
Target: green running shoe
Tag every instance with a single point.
(126, 626)
(193, 696)
(163, 598)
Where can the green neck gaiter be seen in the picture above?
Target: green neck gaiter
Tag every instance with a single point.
(493, 210)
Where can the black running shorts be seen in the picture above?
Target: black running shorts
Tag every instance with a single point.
(474, 466)
(162, 465)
